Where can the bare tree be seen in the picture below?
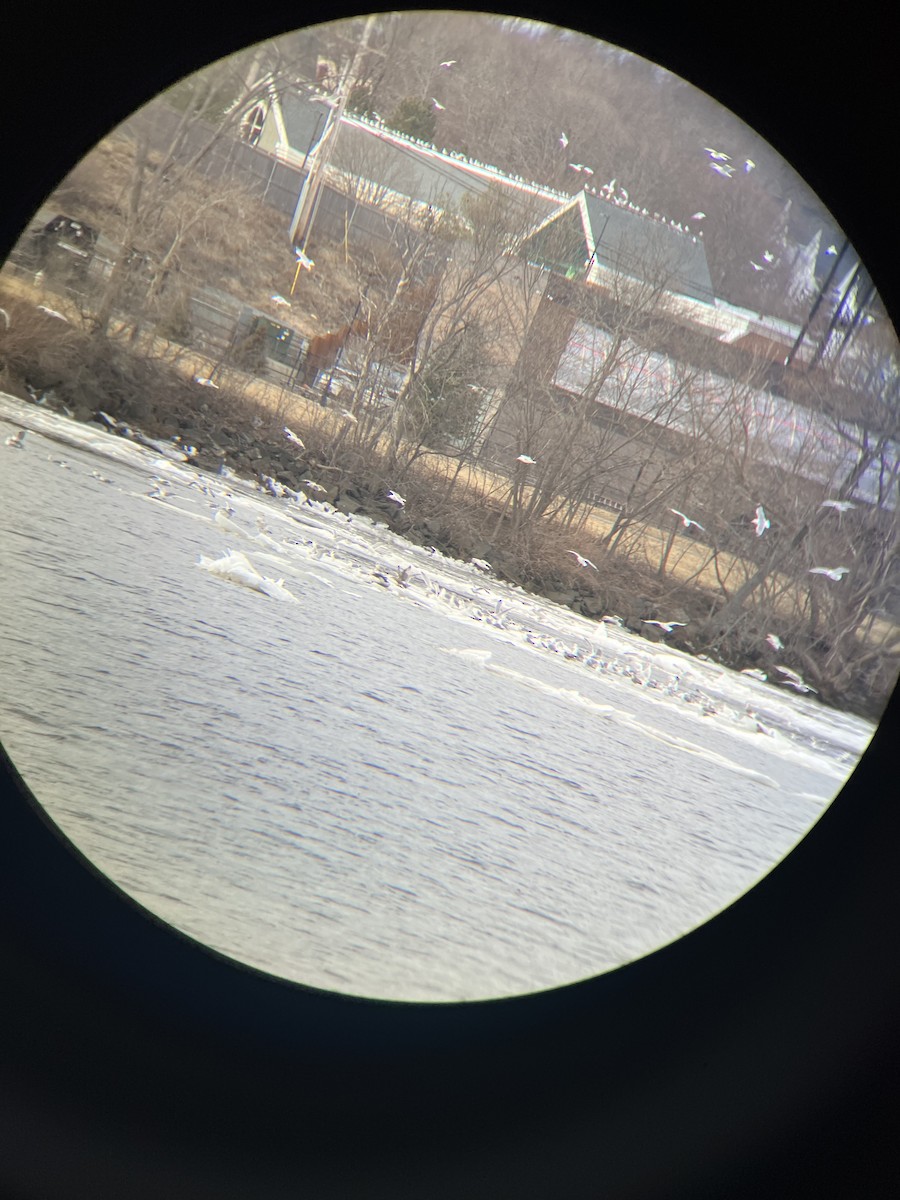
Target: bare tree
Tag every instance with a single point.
(212, 104)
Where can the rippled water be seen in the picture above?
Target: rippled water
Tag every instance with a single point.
(439, 791)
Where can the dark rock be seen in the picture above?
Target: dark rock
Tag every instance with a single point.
(592, 606)
(565, 598)
(346, 504)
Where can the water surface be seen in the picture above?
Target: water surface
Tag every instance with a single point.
(420, 787)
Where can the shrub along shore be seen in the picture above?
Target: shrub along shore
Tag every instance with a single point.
(460, 511)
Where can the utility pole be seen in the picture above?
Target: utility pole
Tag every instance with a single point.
(308, 200)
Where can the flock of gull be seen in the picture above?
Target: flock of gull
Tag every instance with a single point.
(760, 523)
(238, 569)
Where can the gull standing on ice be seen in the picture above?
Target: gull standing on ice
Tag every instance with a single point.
(687, 521)
(581, 560)
(223, 522)
(16, 440)
(834, 573)
(762, 522)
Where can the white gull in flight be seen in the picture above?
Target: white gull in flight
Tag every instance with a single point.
(666, 626)
(761, 522)
(51, 312)
(834, 573)
(792, 679)
(581, 560)
(687, 521)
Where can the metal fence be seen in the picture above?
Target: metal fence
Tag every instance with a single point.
(241, 336)
(219, 326)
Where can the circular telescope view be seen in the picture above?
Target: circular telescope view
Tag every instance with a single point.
(449, 507)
